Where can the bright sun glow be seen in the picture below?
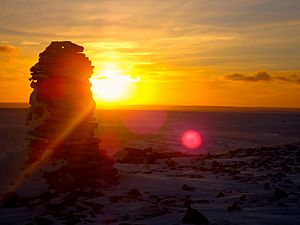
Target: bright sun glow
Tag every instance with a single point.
(112, 85)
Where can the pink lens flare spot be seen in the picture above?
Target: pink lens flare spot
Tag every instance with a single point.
(191, 139)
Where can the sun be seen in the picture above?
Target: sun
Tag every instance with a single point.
(112, 85)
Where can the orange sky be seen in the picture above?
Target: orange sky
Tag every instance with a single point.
(222, 53)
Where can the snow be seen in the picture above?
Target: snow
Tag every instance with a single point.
(152, 194)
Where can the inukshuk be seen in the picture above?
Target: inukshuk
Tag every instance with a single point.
(61, 122)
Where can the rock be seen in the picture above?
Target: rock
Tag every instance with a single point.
(279, 193)
(282, 204)
(145, 155)
(203, 201)
(171, 163)
(234, 207)
(243, 197)
(43, 221)
(131, 224)
(95, 206)
(115, 199)
(185, 187)
(187, 202)
(136, 155)
(220, 195)
(109, 221)
(134, 193)
(193, 216)
(8, 200)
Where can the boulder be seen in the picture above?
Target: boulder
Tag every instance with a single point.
(234, 207)
(193, 216)
(220, 195)
(8, 200)
(186, 187)
(279, 193)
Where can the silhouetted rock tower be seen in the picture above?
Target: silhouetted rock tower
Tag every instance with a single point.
(61, 122)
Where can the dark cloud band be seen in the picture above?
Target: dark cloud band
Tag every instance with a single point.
(260, 76)
(7, 49)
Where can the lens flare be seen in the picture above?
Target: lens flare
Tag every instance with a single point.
(143, 122)
(110, 142)
(191, 139)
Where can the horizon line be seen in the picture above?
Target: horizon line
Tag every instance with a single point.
(22, 105)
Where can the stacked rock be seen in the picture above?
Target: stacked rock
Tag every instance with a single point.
(60, 119)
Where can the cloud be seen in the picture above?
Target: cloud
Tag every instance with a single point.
(30, 42)
(283, 78)
(260, 76)
(174, 32)
(7, 49)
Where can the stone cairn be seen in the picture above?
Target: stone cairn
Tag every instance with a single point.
(61, 122)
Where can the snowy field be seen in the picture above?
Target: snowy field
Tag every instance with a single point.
(249, 185)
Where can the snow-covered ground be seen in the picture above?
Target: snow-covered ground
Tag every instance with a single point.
(252, 186)
(258, 185)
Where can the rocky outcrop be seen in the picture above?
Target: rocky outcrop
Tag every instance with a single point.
(148, 156)
(193, 216)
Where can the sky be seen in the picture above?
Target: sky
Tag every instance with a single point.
(175, 52)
